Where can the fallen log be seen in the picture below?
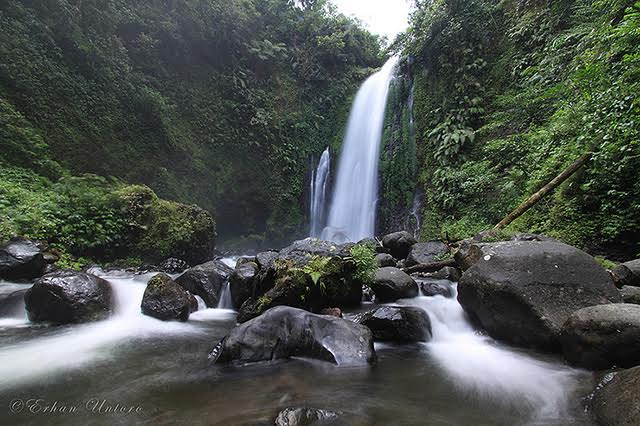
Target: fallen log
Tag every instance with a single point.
(531, 201)
(429, 267)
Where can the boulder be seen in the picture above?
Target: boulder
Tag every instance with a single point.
(398, 243)
(630, 294)
(64, 297)
(300, 252)
(241, 282)
(433, 287)
(305, 417)
(166, 300)
(266, 258)
(173, 266)
(426, 252)
(246, 259)
(604, 336)
(384, 259)
(206, 280)
(21, 259)
(627, 273)
(615, 401)
(310, 283)
(391, 284)
(284, 332)
(397, 323)
(524, 291)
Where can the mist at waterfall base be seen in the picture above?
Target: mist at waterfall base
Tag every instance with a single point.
(353, 205)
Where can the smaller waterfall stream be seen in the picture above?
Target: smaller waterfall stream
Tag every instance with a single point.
(319, 183)
(225, 301)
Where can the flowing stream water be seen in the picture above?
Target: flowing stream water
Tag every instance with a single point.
(459, 377)
(353, 206)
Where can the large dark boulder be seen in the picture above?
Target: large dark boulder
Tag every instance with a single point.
(385, 259)
(241, 282)
(615, 401)
(21, 259)
(627, 273)
(64, 297)
(284, 332)
(426, 252)
(206, 280)
(302, 251)
(630, 294)
(399, 243)
(604, 336)
(165, 300)
(391, 284)
(397, 323)
(524, 291)
(305, 417)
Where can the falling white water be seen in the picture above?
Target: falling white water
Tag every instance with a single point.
(353, 207)
(319, 181)
(70, 347)
(225, 301)
(478, 364)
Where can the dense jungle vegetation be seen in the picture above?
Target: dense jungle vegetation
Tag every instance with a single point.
(214, 102)
(509, 93)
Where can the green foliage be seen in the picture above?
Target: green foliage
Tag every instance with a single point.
(538, 84)
(318, 267)
(214, 102)
(92, 217)
(364, 258)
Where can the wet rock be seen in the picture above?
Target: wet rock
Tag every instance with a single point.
(433, 287)
(399, 243)
(284, 332)
(265, 259)
(305, 417)
(615, 401)
(630, 294)
(468, 253)
(173, 266)
(165, 300)
(397, 323)
(21, 259)
(524, 291)
(601, 337)
(241, 282)
(300, 252)
(426, 252)
(391, 284)
(627, 273)
(64, 297)
(206, 280)
(384, 259)
(333, 312)
(246, 259)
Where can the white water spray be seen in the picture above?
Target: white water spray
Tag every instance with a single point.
(353, 208)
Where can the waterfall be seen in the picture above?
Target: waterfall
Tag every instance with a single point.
(353, 208)
(225, 301)
(319, 180)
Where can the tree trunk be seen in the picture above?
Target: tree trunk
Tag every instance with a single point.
(531, 201)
